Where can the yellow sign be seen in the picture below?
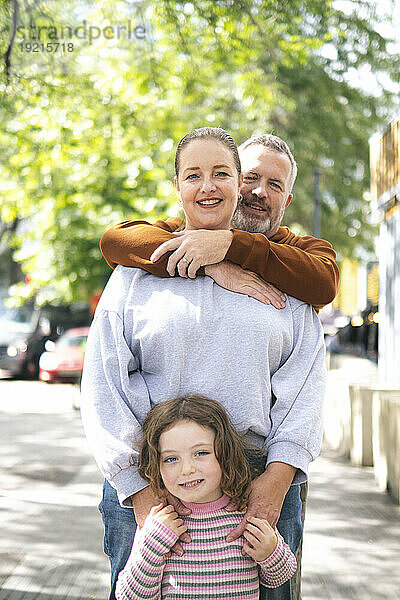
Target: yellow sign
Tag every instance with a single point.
(385, 163)
(373, 285)
(347, 298)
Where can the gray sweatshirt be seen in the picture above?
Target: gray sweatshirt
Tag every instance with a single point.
(158, 338)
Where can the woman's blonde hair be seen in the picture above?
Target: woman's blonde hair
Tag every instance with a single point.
(204, 133)
(228, 445)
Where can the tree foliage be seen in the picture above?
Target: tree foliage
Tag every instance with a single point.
(88, 136)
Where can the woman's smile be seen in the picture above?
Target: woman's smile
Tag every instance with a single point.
(210, 201)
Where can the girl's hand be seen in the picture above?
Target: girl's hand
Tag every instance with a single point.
(168, 517)
(261, 539)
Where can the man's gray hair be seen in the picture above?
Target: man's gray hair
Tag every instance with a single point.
(274, 143)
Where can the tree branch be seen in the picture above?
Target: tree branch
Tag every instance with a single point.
(7, 54)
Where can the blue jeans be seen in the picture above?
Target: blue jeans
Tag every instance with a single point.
(119, 531)
(120, 527)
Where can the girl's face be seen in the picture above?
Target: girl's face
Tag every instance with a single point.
(208, 184)
(188, 465)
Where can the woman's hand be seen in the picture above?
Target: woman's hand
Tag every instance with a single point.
(181, 509)
(236, 279)
(168, 517)
(194, 249)
(144, 501)
(261, 539)
(267, 493)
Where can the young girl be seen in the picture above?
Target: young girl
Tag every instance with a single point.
(191, 450)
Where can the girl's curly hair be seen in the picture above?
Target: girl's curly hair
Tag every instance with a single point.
(228, 445)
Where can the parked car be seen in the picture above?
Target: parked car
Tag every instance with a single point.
(63, 359)
(25, 330)
(359, 336)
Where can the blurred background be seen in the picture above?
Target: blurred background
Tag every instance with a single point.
(96, 95)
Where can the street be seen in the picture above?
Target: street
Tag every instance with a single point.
(51, 543)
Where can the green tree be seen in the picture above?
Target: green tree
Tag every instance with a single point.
(88, 136)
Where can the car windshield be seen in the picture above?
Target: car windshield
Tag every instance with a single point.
(19, 320)
(66, 341)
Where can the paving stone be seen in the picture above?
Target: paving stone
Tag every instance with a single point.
(351, 546)
(51, 532)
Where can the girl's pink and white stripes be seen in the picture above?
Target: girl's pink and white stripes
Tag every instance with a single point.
(210, 569)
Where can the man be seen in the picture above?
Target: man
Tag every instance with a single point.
(303, 267)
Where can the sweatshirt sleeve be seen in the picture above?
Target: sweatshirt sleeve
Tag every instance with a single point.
(303, 267)
(142, 575)
(131, 243)
(298, 387)
(279, 567)
(114, 395)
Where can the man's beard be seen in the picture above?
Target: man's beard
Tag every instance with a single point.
(252, 223)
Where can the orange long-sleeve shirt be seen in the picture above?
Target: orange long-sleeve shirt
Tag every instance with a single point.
(302, 266)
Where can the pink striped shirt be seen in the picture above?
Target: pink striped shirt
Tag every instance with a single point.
(210, 569)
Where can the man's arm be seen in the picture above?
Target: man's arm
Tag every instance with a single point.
(267, 494)
(144, 500)
(131, 243)
(303, 267)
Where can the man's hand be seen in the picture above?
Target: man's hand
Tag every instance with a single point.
(199, 247)
(267, 494)
(143, 502)
(236, 279)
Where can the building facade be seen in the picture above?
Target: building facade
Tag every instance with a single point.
(385, 191)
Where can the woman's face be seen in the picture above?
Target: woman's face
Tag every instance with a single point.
(208, 184)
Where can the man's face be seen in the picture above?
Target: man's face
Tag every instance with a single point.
(265, 190)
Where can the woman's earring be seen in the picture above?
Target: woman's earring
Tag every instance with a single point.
(240, 198)
(180, 202)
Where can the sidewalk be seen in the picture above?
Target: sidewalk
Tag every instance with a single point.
(51, 532)
(352, 530)
(352, 535)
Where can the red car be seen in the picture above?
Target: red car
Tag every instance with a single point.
(63, 361)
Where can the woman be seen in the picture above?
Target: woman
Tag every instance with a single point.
(153, 339)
